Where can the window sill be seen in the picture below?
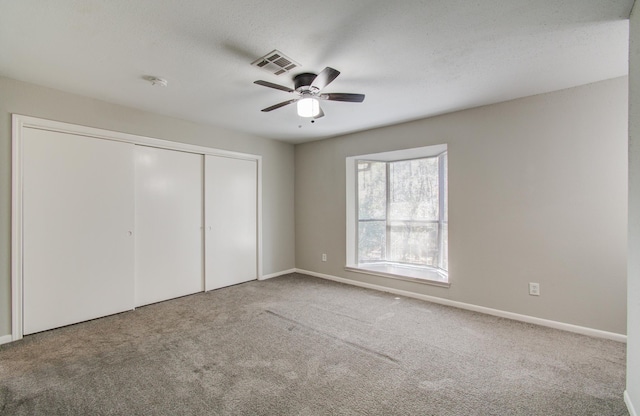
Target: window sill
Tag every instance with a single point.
(408, 273)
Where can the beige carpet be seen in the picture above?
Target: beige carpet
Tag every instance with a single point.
(297, 345)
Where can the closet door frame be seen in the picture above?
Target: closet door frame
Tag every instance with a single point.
(21, 122)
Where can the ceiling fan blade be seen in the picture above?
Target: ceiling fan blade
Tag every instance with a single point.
(320, 114)
(324, 78)
(341, 96)
(272, 85)
(282, 104)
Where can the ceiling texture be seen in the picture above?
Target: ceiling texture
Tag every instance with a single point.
(413, 59)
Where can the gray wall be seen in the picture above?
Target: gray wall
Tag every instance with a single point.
(537, 193)
(633, 312)
(278, 164)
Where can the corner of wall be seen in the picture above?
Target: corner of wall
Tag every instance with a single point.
(632, 394)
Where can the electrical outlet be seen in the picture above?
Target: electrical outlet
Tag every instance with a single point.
(534, 289)
(324, 257)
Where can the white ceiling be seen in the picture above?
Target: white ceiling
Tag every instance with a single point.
(412, 58)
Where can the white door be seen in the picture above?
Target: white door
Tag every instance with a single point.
(169, 222)
(78, 195)
(231, 221)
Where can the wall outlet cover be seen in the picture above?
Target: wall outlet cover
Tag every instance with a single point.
(534, 289)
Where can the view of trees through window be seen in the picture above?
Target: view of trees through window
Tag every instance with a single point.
(402, 212)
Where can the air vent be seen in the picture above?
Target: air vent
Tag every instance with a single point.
(276, 63)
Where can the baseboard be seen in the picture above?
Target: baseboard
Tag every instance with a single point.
(489, 311)
(5, 339)
(272, 275)
(630, 408)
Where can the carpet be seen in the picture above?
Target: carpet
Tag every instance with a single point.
(298, 345)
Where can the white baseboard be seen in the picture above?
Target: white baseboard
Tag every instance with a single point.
(489, 311)
(272, 275)
(627, 401)
(5, 339)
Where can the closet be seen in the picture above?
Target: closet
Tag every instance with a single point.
(230, 194)
(110, 222)
(78, 224)
(168, 218)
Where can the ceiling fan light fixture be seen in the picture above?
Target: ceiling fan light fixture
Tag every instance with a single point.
(308, 107)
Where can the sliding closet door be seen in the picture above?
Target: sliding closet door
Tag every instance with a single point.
(78, 216)
(169, 241)
(231, 221)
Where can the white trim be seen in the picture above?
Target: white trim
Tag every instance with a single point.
(276, 274)
(259, 219)
(405, 154)
(16, 228)
(627, 401)
(489, 311)
(407, 277)
(19, 122)
(5, 339)
(352, 211)
(51, 125)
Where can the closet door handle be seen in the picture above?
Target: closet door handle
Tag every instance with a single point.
(130, 233)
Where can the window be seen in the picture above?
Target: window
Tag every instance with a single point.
(399, 214)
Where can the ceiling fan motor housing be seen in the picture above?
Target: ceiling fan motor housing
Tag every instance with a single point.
(303, 81)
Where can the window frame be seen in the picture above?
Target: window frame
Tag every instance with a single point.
(434, 275)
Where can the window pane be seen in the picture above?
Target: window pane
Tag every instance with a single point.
(414, 189)
(372, 190)
(372, 241)
(414, 243)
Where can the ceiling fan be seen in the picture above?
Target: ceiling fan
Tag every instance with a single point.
(307, 87)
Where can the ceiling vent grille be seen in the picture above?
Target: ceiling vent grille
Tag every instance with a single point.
(276, 63)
